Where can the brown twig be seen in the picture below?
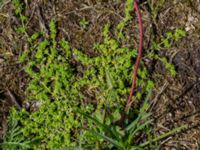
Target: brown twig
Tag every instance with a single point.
(155, 100)
(13, 99)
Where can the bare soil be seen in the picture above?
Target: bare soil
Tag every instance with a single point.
(178, 99)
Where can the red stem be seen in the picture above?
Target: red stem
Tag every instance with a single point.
(129, 101)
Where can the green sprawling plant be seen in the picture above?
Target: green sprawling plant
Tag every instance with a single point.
(168, 39)
(55, 87)
(84, 23)
(14, 139)
(97, 85)
(166, 43)
(19, 8)
(53, 84)
(109, 74)
(126, 19)
(51, 80)
(155, 7)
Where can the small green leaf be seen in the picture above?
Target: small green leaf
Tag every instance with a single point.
(116, 115)
(112, 141)
(109, 79)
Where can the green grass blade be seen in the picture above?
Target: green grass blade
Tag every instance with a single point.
(164, 135)
(136, 148)
(134, 124)
(109, 79)
(108, 139)
(139, 128)
(106, 128)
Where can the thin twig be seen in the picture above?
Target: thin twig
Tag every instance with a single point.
(13, 99)
(155, 100)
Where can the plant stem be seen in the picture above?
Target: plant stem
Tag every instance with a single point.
(164, 135)
(129, 102)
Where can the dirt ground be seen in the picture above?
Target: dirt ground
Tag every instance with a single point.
(176, 100)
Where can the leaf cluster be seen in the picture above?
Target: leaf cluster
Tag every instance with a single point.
(50, 85)
(19, 8)
(126, 19)
(14, 139)
(110, 73)
(166, 43)
(122, 138)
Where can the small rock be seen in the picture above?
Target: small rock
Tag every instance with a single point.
(1, 60)
(190, 22)
(197, 69)
(32, 106)
(198, 5)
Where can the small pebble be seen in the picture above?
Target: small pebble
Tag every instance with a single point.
(1, 60)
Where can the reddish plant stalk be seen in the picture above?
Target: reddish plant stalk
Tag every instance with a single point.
(129, 101)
